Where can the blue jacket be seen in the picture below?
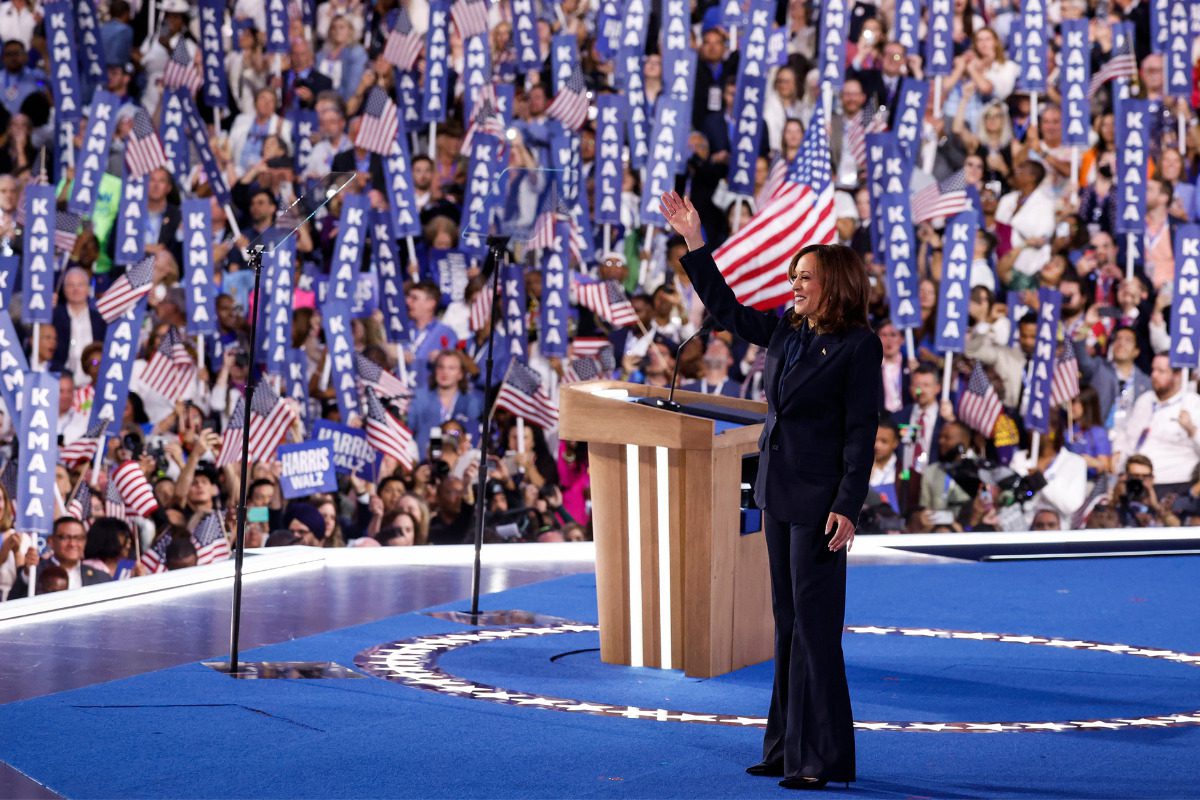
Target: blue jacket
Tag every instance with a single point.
(425, 412)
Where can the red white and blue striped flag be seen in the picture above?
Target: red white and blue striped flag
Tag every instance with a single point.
(485, 117)
(270, 418)
(126, 290)
(943, 198)
(83, 448)
(154, 559)
(114, 504)
(181, 71)
(605, 299)
(570, 105)
(1121, 63)
(80, 504)
(470, 17)
(403, 45)
(1064, 387)
(171, 370)
(979, 407)
(376, 377)
(135, 489)
(209, 537)
(754, 260)
(380, 122)
(386, 434)
(143, 150)
(522, 394)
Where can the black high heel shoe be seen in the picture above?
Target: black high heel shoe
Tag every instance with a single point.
(768, 769)
(803, 783)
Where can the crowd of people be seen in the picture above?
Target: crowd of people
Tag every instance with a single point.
(1124, 452)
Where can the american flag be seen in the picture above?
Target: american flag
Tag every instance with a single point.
(945, 198)
(470, 17)
(607, 300)
(114, 506)
(979, 407)
(171, 370)
(583, 369)
(522, 394)
(80, 504)
(84, 397)
(135, 489)
(66, 230)
(481, 308)
(143, 150)
(570, 106)
(154, 559)
(1064, 387)
(386, 434)
(485, 117)
(8, 479)
(210, 540)
(1121, 63)
(754, 260)
(83, 448)
(589, 346)
(231, 439)
(773, 183)
(376, 377)
(552, 210)
(126, 290)
(270, 418)
(380, 122)
(403, 45)
(181, 71)
(870, 119)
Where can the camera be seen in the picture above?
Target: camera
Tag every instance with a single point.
(1135, 490)
(133, 443)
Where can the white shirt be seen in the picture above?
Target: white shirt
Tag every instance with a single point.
(1152, 428)
(1066, 484)
(17, 23)
(81, 337)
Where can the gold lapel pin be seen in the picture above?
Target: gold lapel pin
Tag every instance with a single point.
(822, 351)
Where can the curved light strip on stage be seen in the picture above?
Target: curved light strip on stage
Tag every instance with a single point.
(413, 662)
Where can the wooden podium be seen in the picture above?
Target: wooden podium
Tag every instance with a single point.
(678, 587)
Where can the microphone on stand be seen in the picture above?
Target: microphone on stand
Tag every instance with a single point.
(669, 404)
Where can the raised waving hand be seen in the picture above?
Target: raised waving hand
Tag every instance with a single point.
(683, 217)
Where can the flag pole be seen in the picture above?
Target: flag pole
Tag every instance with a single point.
(1181, 121)
(37, 339)
(199, 365)
(432, 142)
(946, 368)
(737, 213)
(1074, 173)
(1130, 240)
(254, 258)
(937, 97)
(31, 572)
(1033, 113)
(413, 269)
(607, 237)
(1035, 445)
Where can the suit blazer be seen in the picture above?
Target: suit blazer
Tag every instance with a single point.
(818, 442)
(62, 326)
(89, 577)
(346, 161)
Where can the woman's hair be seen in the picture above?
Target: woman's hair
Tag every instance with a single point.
(844, 287)
(968, 23)
(1005, 138)
(1089, 399)
(422, 536)
(464, 382)
(106, 538)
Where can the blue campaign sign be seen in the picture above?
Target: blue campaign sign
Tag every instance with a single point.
(1185, 300)
(1177, 57)
(1074, 75)
(212, 52)
(348, 250)
(13, 365)
(37, 432)
(1159, 25)
(1032, 56)
(512, 280)
(9, 266)
(1133, 150)
(307, 468)
(91, 56)
(1037, 412)
(751, 90)
(391, 279)
(130, 244)
(481, 194)
(340, 343)
(402, 198)
(408, 97)
(59, 19)
(173, 134)
(630, 79)
(556, 304)
(939, 38)
(277, 306)
(609, 171)
(664, 159)
(37, 274)
(477, 72)
(525, 35)
(198, 266)
(277, 26)
(352, 453)
(831, 49)
(564, 57)
(955, 294)
(116, 368)
(198, 137)
(910, 116)
(437, 62)
(92, 158)
(907, 25)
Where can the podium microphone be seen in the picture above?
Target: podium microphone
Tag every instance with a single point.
(707, 328)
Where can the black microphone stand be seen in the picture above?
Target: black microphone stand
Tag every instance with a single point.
(496, 255)
(254, 261)
(669, 404)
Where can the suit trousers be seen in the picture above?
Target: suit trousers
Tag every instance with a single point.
(810, 726)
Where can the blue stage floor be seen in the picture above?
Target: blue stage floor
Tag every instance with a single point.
(1088, 689)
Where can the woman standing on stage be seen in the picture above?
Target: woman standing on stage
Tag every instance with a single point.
(816, 450)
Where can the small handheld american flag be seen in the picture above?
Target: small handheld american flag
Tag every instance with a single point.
(126, 290)
(135, 489)
(171, 371)
(386, 434)
(607, 300)
(380, 123)
(1064, 387)
(143, 150)
(522, 394)
(979, 408)
(181, 71)
(376, 377)
(944, 198)
(570, 105)
(872, 118)
(83, 448)
(485, 117)
(80, 504)
(114, 505)
(470, 17)
(403, 45)
(1121, 63)
(154, 559)
(209, 537)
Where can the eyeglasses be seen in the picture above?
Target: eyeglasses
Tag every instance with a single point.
(82, 537)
